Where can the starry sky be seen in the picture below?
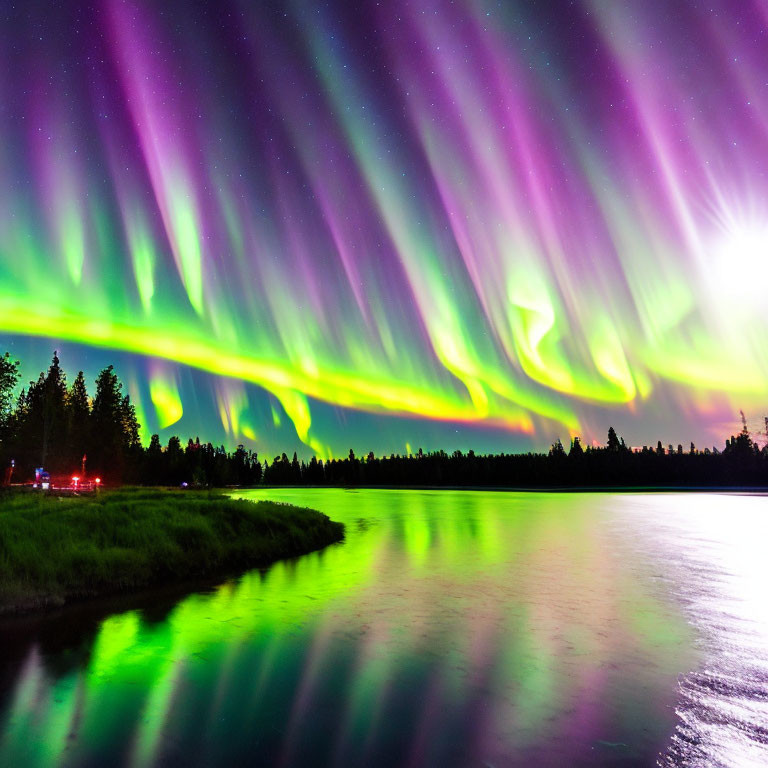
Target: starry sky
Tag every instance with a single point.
(314, 226)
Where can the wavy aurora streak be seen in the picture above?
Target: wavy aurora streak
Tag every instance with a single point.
(465, 212)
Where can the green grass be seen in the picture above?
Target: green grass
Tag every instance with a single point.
(55, 549)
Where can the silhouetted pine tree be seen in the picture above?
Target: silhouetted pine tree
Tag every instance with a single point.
(78, 413)
(556, 449)
(47, 419)
(114, 429)
(9, 378)
(175, 470)
(154, 472)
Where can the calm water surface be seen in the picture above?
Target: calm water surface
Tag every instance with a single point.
(449, 628)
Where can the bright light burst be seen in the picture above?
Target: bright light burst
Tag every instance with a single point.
(740, 270)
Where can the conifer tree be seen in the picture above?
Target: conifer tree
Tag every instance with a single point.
(105, 420)
(78, 412)
(154, 464)
(114, 429)
(556, 449)
(130, 424)
(175, 461)
(9, 377)
(47, 418)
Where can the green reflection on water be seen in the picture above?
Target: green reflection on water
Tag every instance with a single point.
(466, 625)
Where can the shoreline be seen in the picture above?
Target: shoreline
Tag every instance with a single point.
(758, 489)
(62, 550)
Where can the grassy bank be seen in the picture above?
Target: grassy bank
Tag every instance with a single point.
(53, 550)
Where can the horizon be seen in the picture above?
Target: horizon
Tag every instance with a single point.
(305, 452)
(757, 437)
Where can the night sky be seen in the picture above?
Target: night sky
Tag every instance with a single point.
(316, 226)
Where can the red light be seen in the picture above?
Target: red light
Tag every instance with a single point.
(98, 480)
(75, 478)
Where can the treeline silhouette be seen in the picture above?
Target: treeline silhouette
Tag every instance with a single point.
(740, 464)
(58, 427)
(54, 425)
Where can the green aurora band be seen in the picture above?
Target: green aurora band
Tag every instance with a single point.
(425, 211)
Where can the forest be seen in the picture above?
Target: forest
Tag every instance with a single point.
(63, 429)
(59, 426)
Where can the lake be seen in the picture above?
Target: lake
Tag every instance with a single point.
(450, 628)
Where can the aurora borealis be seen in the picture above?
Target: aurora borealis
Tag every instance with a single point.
(465, 224)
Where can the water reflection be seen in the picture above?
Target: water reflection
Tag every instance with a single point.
(450, 628)
(720, 546)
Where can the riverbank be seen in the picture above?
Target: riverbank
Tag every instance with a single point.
(54, 550)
